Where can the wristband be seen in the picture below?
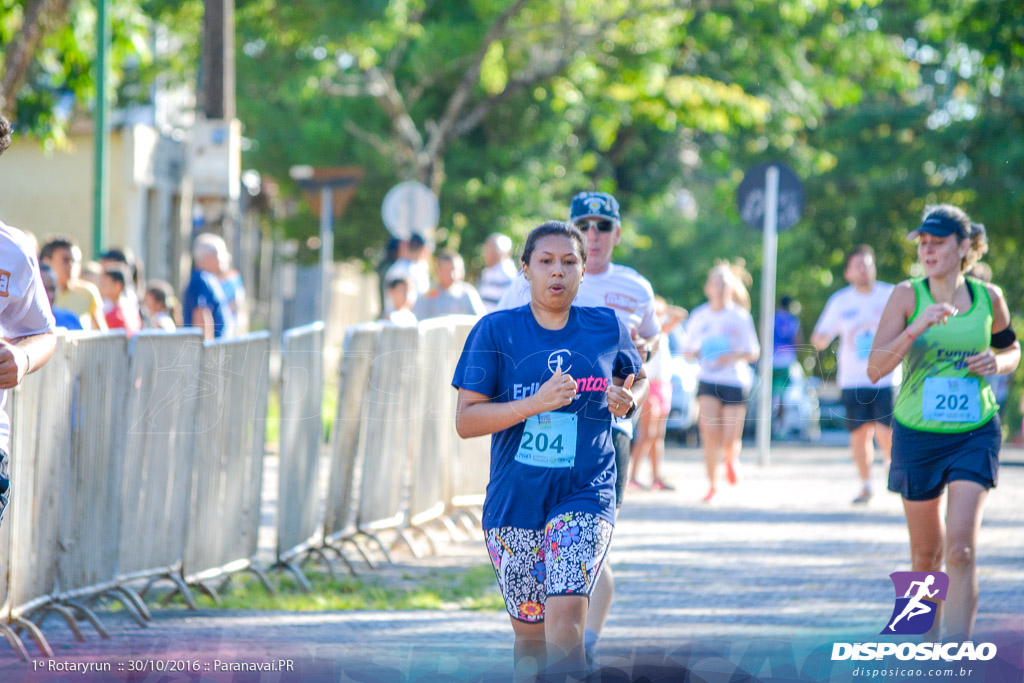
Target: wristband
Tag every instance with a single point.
(629, 413)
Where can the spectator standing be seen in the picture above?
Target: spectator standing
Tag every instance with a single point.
(118, 307)
(204, 304)
(159, 304)
(28, 327)
(452, 295)
(413, 262)
(63, 317)
(400, 297)
(499, 270)
(82, 298)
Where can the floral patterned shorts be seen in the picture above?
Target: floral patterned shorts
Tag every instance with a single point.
(564, 558)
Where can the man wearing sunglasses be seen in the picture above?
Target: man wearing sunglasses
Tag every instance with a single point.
(630, 295)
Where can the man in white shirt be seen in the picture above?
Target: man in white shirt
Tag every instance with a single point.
(852, 314)
(28, 338)
(630, 295)
(499, 271)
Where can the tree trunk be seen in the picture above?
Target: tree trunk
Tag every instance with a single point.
(39, 15)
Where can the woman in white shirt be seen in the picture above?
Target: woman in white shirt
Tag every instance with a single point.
(721, 335)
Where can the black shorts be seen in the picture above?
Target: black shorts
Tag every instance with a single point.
(5, 482)
(868, 404)
(622, 444)
(924, 462)
(725, 393)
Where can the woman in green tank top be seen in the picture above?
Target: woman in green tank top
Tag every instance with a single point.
(949, 332)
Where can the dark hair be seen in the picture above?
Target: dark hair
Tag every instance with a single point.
(966, 230)
(786, 301)
(162, 293)
(394, 282)
(118, 275)
(416, 242)
(449, 255)
(58, 242)
(5, 133)
(859, 250)
(560, 228)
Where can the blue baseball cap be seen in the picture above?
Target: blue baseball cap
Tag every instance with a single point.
(594, 205)
(938, 224)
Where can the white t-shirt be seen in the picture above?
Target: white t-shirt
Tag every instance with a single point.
(711, 333)
(619, 288)
(24, 308)
(494, 280)
(418, 271)
(853, 317)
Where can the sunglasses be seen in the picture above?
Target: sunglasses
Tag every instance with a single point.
(602, 226)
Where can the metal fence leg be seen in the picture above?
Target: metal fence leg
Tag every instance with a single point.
(179, 587)
(380, 545)
(89, 616)
(36, 635)
(15, 642)
(204, 587)
(284, 565)
(262, 576)
(406, 538)
(45, 610)
(362, 551)
(426, 535)
(449, 526)
(113, 594)
(343, 556)
(317, 552)
(136, 600)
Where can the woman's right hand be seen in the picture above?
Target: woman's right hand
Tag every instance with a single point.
(557, 392)
(935, 314)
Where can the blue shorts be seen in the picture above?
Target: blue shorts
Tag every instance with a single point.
(924, 462)
(867, 404)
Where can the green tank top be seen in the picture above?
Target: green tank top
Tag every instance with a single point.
(938, 393)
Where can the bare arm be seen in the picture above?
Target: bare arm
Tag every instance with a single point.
(996, 361)
(477, 415)
(203, 319)
(894, 337)
(24, 355)
(820, 341)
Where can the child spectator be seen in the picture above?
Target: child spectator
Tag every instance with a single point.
(116, 306)
(159, 304)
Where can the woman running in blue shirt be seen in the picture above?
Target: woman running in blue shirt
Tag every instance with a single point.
(545, 380)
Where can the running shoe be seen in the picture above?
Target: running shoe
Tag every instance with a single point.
(864, 497)
(660, 485)
(709, 496)
(634, 485)
(732, 470)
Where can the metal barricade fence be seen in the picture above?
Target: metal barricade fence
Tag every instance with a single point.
(386, 440)
(346, 462)
(471, 458)
(222, 532)
(41, 418)
(302, 436)
(91, 506)
(163, 395)
(430, 472)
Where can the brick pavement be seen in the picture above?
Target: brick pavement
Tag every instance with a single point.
(784, 555)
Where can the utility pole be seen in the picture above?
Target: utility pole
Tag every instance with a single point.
(101, 117)
(218, 87)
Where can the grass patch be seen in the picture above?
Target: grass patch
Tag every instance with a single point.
(472, 589)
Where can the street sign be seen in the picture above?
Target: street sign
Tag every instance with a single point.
(410, 207)
(751, 198)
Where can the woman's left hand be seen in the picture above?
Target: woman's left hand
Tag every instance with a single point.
(620, 399)
(983, 364)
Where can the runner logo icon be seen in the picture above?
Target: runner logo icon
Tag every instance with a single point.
(917, 597)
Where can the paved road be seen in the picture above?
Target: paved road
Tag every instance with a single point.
(783, 557)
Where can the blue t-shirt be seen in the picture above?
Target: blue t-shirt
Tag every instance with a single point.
(204, 291)
(508, 356)
(787, 327)
(66, 319)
